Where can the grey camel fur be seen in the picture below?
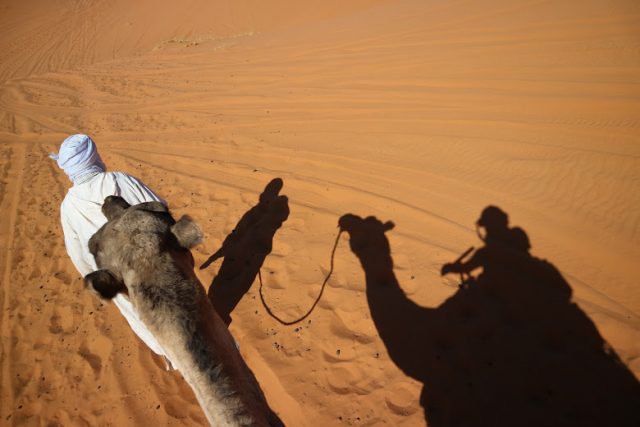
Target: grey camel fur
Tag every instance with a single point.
(143, 252)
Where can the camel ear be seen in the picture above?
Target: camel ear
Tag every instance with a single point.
(104, 284)
(187, 232)
(114, 206)
(388, 226)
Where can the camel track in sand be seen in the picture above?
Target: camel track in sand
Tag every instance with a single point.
(11, 186)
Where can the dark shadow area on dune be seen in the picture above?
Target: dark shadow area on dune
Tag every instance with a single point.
(245, 249)
(509, 348)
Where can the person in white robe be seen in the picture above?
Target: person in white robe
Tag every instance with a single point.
(81, 214)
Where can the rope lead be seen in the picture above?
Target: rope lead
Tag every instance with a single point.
(292, 322)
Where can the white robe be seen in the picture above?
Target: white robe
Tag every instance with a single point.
(81, 217)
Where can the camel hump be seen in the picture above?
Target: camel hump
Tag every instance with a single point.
(187, 232)
(104, 284)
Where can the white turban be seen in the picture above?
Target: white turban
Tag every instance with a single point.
(78, 156)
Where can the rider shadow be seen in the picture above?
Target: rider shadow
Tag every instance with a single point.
(245, 249)
(509, 348)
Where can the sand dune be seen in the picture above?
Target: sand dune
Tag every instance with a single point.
(417, 112)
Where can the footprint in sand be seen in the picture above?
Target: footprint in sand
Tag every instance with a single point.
(400, 260)
(35, 273)
(18, 257)
(94, 351)
(338, 351)
(62, 320)
(296, 224)
(276, 279)
(179, 401)
(353, 326)
(329, 301)
(23, 377)
(31, 409)
(402, 398)
(177, 408)
(340, 380)
(349, 379)
(92, 359)
(336, 280)
(61, 418)
(281, 249)
(64, 277)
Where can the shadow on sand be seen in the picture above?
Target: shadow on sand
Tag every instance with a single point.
(245, 249)
(509, 348)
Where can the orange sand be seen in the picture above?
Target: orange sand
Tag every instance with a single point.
(419, 112)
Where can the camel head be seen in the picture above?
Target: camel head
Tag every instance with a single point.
(369, 243)
(365, 233)
(134, 239)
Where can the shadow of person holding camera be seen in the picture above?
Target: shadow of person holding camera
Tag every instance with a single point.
(245, 249)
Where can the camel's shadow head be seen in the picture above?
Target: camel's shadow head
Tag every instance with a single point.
(366, 234)
(369, 243)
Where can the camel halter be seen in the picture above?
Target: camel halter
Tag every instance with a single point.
(326, 279)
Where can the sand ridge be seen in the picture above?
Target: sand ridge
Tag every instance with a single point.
(421, 113)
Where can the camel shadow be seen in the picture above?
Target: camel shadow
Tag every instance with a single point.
(509, 348)
(245, 249)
